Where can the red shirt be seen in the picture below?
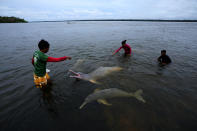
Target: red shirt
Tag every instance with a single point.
(126, 48)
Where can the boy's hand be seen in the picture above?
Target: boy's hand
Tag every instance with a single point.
(68, 57)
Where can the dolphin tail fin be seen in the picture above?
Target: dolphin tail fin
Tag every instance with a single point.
(103, 101)
(138, 95)
(82, 105)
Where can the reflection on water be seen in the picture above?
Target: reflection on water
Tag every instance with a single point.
(169, 91)
(48, 99)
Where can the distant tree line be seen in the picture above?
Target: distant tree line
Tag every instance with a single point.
(148, 20)
(5, 19)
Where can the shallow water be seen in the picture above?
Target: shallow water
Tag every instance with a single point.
(170, 91)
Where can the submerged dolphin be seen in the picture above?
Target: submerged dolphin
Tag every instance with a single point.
(96, 74)
(77, 64)
(101, 95)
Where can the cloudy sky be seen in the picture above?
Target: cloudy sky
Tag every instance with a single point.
(33, 10)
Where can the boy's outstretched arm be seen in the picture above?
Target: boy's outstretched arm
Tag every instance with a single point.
(52, 59)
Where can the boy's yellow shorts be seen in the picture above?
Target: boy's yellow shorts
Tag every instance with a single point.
(41, 81)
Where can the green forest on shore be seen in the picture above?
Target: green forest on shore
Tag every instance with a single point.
(5, 19)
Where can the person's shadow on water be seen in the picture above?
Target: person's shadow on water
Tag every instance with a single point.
(48, 99)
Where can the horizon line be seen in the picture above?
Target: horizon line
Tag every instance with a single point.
(156, 20)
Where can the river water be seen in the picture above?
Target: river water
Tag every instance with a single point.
(170, 91)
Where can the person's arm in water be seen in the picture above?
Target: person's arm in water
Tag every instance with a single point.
(117, 50)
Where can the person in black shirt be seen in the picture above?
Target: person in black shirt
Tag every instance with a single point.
(164, 59)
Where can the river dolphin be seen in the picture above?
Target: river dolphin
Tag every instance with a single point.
(96, 74)
(101, 95)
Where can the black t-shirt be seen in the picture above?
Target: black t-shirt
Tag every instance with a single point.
(164, 59)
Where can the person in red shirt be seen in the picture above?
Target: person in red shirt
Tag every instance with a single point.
(126, 48)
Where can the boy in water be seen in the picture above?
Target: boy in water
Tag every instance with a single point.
(164, 59)
(126, 48)
(39, 62)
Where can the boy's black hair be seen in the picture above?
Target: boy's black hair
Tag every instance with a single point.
(163, 51)
(124, 41)
(43, 44)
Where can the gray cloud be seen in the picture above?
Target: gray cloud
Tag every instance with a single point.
(177, 9)
(93, 9)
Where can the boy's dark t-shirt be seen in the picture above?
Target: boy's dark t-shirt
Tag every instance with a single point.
(40, 61)
(164, 59)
